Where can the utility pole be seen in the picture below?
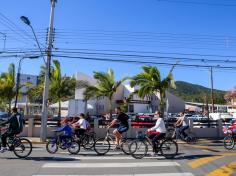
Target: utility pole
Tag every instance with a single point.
(43, 132)
(212, 93)
(4, 40)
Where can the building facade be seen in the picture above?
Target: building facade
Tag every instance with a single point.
(100, 105)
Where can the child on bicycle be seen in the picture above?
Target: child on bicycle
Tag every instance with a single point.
(157, 132)
(66, 131)
(81, 125)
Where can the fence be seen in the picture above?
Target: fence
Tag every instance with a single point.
(202, 128)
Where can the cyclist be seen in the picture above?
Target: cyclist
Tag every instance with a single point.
(81, 125)
(122, 120)
(182, 124)
(15, 127)
(157, 132)
(66, 131)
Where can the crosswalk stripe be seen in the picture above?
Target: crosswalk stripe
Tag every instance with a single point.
(108, 165)
(153, 174)
(108, 157)
(226, 170)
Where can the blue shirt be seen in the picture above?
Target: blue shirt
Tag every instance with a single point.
(66, 129)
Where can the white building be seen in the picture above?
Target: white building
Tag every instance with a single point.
(100, 105)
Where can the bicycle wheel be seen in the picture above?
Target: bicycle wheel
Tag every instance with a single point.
(229, 142)
(191, 138)
(125, 146)
(169, 148)
(88, 141)
(52, 146)
(102, 146)
(74, 147)
(22, 147)
(138, 149)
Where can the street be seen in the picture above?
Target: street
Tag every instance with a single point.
(203, 159)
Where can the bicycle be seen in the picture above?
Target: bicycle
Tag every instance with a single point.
(21, 147)
(70, 143)
(103, 145)
(229, 139)
(138, 148)
(87, 140)
(175, 134)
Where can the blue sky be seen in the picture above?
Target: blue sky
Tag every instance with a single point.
(137, 25)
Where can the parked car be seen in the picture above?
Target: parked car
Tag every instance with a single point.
(4, 116)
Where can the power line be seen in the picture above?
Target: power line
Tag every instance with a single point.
(199, 3)
(143, 62)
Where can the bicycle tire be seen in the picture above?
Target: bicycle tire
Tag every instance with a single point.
(229, 142)
(125, 146)
(102, 146)
(138, 149)
(53, 144)
(166, 146)
(72, 146)
(20, 145)
(88, 141)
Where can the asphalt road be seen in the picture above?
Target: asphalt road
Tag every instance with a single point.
(209, 159)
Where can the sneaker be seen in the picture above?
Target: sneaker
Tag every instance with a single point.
(3, 149)
(153, 154)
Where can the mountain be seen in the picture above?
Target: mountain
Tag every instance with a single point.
(196, 93)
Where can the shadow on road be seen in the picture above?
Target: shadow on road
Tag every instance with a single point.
(38, 158)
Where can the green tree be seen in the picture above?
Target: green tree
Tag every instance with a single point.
(61, 87)
(7, 86)
(106, 86)
(150, 83)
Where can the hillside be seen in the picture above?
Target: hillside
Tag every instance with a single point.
(196, 93)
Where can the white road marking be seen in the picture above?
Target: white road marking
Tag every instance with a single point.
(153, 174)
(109, 165)
(108, 157)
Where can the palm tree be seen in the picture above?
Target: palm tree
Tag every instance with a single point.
(106, 86)
(61, 87)
(150, 83)
(7, 85)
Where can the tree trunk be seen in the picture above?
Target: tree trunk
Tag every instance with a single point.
(59, 109)
(85, 106)
(9, 106)
(110, 106)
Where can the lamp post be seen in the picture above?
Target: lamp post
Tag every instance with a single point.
(43, 131)
(18, 76)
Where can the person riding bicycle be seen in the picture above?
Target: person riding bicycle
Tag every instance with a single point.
(66, 131)
(122, 119)
(182, 124)
(81, 125)
(157, 132)
(15, 127)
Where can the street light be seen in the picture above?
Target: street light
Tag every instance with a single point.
(18, 76)
(27, 22)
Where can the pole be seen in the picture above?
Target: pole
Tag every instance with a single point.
(43, 132)
(212, 93)
(4, 40)
(18, 81)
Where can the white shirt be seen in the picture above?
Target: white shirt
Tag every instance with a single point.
(160, 126)
(184, 118)
(83, 123)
